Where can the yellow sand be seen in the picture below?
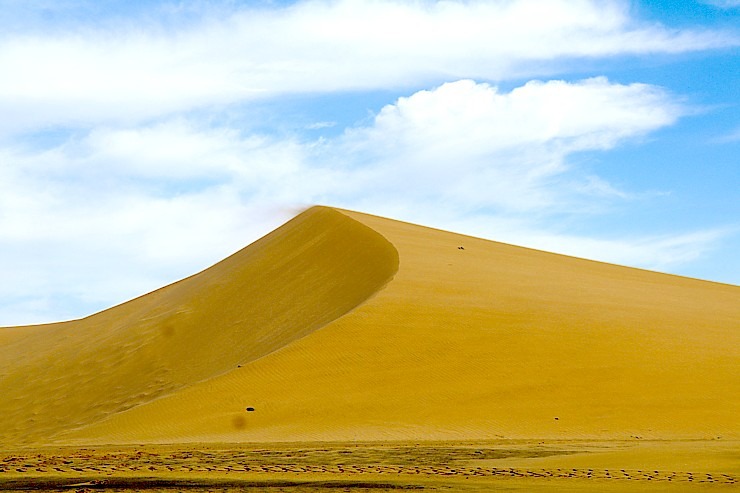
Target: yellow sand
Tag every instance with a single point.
(483, 466)
(63, 376)
(484, 342)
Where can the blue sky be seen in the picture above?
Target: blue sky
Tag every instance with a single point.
(143, 141)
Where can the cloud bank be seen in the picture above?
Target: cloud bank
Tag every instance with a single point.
(133, 71)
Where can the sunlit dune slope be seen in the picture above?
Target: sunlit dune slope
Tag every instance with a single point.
(484, 341)
(59, 377)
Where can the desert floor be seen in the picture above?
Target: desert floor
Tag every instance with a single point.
(506, 465)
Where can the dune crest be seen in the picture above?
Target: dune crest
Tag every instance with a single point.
(312, 270)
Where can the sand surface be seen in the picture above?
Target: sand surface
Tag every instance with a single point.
(440, 466)
(341, 327)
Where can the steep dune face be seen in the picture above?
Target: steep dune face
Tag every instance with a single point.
(484, 341)
(314, 269)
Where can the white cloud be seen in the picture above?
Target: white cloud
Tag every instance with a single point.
(476, 147)
(129, 74)
(320, 125)
(656, 252)
(724, 4)
(732, 136)
(118, 211)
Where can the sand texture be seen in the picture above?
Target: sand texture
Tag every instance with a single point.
(378, 466)
(349, 328)
(60, 377)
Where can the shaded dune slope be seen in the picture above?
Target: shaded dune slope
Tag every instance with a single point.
(483, 342)
(314, 269)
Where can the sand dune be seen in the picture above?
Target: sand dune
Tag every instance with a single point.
(419, 340)
(62, 376)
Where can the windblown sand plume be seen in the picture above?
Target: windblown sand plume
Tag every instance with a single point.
(345, 326)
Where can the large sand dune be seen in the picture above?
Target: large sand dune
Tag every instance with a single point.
(344, 326)
(59, 377)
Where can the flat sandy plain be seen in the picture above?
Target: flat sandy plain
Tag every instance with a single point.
(433, 466)
(376, 354)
